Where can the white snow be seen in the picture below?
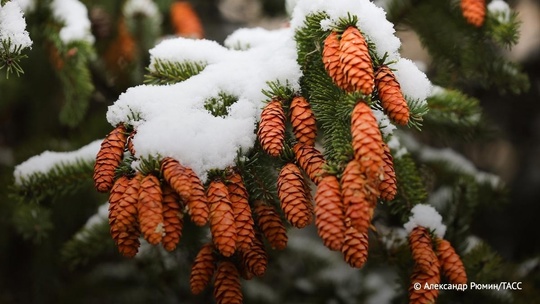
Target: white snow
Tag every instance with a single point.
(500, 10)
(414, 83)
(13, 27)
(48, 160)
(188, 50)
(74, 16)
(386, 127)
(425, 216)
(143, 7)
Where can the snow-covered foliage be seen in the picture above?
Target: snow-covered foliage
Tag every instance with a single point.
(425, 216)
(13, 27)
(73, 15)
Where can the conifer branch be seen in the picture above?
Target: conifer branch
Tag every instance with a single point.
(164, 72)
(10, 59)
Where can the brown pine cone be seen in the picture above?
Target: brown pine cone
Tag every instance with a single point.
(175, 175)
(331, 59)
(355, 247)
(358, 203)
(422, 250)
(295, 202)
(424, 295)
(329, 213)
(255, 259)
(173, 218)
(271, 226)
(227, 287)
(124, 227)
(222, 224)
(202, 269)
(238, 196)
(109, 157)
(271, 132)
(185, 21)
(303, 121)
(355, 61)
(450, 262)
(388, 186)
(150, 209)
(310, 160)
(197, 204)
(474, 11)
(392, 100)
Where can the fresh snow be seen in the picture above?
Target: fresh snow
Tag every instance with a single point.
(425, 216)
(500, 10)
(13, 27)
(46, 161)
(74, 16)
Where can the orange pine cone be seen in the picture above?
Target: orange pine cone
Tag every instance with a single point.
(355, 61)
(202, 269)
(367, 143)
(424, 295)
(173, 218)
(331, 59)
(227, 287)
(355, 247)
(451, 264)
(124, 228)
(388, 186)
(185, 21)
(222, 224)
(422, 250)
(271, 132)
(109, 158)
(474, 11)
(271, 226)
(255, 259)
(329, 213)
(238, 196)
(359, 204)
(303, 121)
(310, 160)
(175, 175)
(295, 202)
(151, 209)
(122, 50)
(392, 100)
(197, 203)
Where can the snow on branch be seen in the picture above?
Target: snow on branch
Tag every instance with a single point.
(425, 216)
(13, 28)
(74, 17)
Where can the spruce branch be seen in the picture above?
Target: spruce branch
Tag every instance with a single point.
(10, 59)
(219, 106)
(164, 72)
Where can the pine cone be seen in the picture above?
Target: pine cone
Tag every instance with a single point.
(271, 226)
(197, 203)
(474, 11)
(422, 250)
(173, 218)
(271, 131)
(185, 21)
(329, 213)
(122, 50)
(355, 247)
(303, 121)
(292, 194)
(151, 209)
(355, 61)
(202, 269)
(109, 158)
(392, 100)
(255, 259)
(175, 175)
(367, 143)
(388, 186)
(331, 59)
(243, 218)
(424, 295)
(310, 160)
(450, 262)
(227, 287)
(222, 224)
(124, 230)
(358, 205)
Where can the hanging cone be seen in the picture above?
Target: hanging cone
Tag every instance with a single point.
(255, 259)
(303, 121)
(367, 143)
(173, 218)
(151, 209)
(243, 218)
(271, 226)
(222, 224)
(355, 247)
(450, 262)
(329, 213)
(331, 59)
(271, 132)
(108, 158)
(125, 232)
(358, 205)
(310, 160)
(175, 175)
(121, 50)
(292, 194)
(424, 295)
(185, 21)
(474, 11)
(197, 203)
(388, 186)
(227, 287)
(392, 100)
(422, 250)
(202, 269)
(355, 61)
